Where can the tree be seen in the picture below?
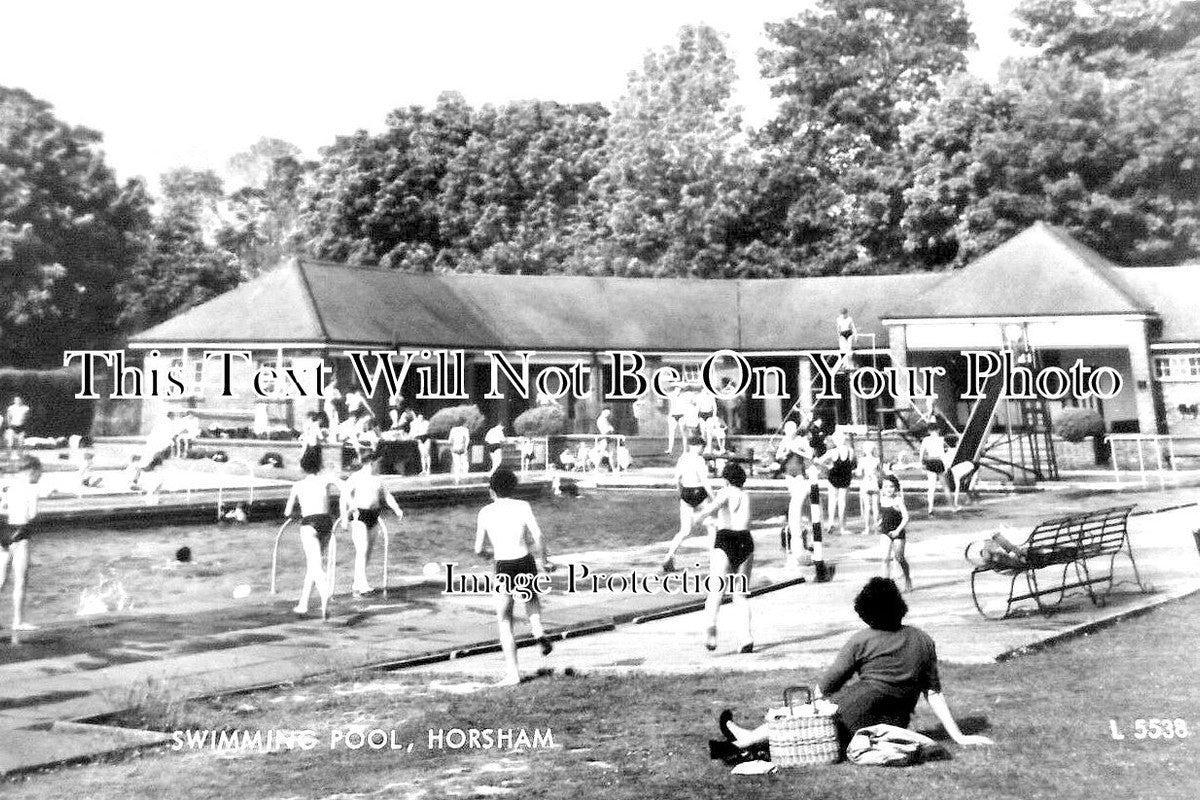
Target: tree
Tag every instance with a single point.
(1116, 163)
(1109, 36)
(265, 219)
(68, 232)
(254, 166)
(670, 193)
(179, 268)
(850, 74)
(454, 188)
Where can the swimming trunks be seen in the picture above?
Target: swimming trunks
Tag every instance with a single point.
(890, 519)
(794, 465)
(367, 516)
(11, 534)
(322, 524)
(934, 465)
(693, 495)
(525, 565)
(492, 448)
(841, 473)
(737, 545)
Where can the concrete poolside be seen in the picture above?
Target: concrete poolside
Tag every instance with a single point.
(75, 671)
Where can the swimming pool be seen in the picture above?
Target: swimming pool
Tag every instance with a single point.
(140, 560)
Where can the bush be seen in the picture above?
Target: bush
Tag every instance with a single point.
(1076, 424)
(441, 422)
(50, 395)
(541, 421)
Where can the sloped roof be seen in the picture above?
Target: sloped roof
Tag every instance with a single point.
(800, 313)
(1175, 294)
(274, 307)
(1040, 272)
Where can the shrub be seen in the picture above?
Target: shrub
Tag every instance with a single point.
(441, 422)
(541, 421)
(1076, 424)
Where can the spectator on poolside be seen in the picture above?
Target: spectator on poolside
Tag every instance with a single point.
(460, 460)
(20, 509)
(895, 664)
(494, 439)
(15, 417)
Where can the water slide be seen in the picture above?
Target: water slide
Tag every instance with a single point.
(974, 435)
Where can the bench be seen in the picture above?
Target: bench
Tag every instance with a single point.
(1061, 554)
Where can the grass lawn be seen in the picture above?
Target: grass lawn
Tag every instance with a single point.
(641, 737)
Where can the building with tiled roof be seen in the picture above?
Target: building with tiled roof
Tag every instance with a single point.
(1067, 301)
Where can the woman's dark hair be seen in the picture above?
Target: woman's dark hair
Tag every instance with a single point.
(310, 460)
(880, 605)
(894, 481)
(503, 482)
(734, 473)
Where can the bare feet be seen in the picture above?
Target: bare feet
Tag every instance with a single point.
(710, 640)
(509, 680)
(300, 609)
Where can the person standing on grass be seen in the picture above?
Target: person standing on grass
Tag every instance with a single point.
(20, 508)
(732, 554)
(509, 526)
(893, 528)
(691, 476)
(362, 499)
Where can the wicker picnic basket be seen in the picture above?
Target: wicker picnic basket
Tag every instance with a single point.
(798, 737)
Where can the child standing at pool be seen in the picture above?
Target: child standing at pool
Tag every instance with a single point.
(870, 470)
(509, 525)
(893, 528)
(20, 508)
(311, 493)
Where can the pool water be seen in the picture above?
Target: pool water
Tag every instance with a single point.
(140, 561)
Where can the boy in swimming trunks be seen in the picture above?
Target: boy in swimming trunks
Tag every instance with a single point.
(893, 528)
(691, 476)
(311, 493)
(732, 553)
(847, 330)
(20, 508)
(509, 525)
(362, 499)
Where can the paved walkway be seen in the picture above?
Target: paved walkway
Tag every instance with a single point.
(67, 674)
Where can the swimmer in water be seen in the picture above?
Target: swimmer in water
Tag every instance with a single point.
(691, 476)
(509, 525)
(311, 493)
(363, 497)
(731, 557)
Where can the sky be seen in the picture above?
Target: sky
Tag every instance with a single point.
(175, 83)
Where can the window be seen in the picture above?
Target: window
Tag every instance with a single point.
(1177, 368)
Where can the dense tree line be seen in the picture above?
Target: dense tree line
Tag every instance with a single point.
(884, 155)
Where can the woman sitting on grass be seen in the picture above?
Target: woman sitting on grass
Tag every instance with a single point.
(895, 664)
